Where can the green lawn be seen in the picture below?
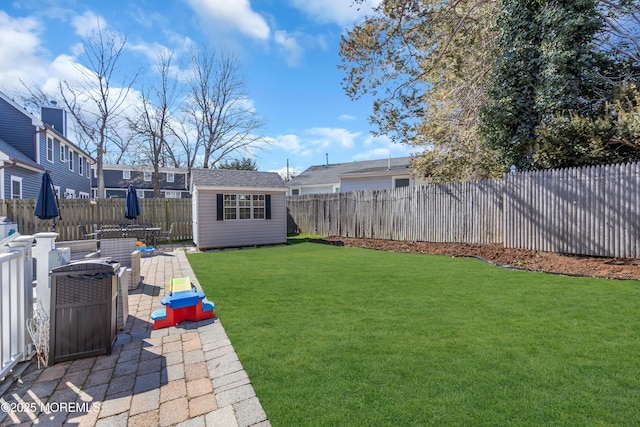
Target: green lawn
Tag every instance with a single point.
(339, 336)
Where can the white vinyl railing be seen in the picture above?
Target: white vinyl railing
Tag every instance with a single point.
(16, 306)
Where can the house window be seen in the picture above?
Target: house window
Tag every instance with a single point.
(147, 176)
(94, 193)
(50, 150)
(71, 161)
(16, 187)
(244, 206)
(69, 194)
(170, 177)
(62, 153)
(230, 206)
(127, 175)
(83, 195)
(171, 194)
(401, 182)
(80, 165)
(295, 192)
(87, 169)
(56, 188)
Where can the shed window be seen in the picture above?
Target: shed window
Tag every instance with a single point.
(230, 206)
(244, 206)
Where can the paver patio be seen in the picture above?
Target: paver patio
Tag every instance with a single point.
(184, 375)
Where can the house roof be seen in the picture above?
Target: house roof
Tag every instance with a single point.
(330, 174)
(16, 155)
(228, 178)
(141, 168)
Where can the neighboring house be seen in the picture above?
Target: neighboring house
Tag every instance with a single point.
(30, 145)
(233, 208)
(174, 182)
(353, 176)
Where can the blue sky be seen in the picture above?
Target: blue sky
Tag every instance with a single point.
(287, 51)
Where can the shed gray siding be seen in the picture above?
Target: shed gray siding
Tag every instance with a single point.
(211, 233)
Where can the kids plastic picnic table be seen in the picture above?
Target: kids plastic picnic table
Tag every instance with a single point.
(184, 302)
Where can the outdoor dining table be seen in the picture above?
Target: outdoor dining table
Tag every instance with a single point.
(148, 234)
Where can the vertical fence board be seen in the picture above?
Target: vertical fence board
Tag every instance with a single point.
(591, 211)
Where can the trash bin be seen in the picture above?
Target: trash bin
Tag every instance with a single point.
(83, 309)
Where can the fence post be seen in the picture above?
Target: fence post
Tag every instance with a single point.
(45, 243)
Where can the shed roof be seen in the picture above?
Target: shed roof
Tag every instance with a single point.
(229, 178)
(330, 174)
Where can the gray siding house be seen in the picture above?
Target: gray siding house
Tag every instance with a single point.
(29, 145)
(174, 182)
(234, 208)
(353, 176)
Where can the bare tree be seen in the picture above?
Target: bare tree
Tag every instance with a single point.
(217, 107)
(95, 102)
(151, 123)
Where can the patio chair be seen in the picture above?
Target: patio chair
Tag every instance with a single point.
(83, 232)
(167, 235)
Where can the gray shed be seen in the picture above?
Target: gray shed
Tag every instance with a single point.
(233, 208)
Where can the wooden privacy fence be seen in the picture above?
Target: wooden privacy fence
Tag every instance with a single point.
(454, 212)
(101, 212)
(590, 211)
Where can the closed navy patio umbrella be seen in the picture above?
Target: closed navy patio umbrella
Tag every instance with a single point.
(132, 209)
(47, 204)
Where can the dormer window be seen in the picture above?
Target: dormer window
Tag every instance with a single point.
(147, 176)
(126, 174)
(170, 177)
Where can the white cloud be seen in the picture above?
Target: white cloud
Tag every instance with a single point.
(237, 13)
(380, 147)
(346, 117)
(88, 23)
(289, 143)
(340, 12)
(292, 49)
(20, 50)
(331, 137)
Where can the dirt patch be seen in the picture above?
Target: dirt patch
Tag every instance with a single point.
(613, 268)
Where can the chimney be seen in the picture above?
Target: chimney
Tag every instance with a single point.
(55, 116)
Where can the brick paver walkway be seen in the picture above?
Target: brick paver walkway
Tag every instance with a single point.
(187, 375)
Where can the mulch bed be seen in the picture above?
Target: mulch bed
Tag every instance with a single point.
(551, 262)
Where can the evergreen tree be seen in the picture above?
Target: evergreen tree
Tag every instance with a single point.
(545, 74)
